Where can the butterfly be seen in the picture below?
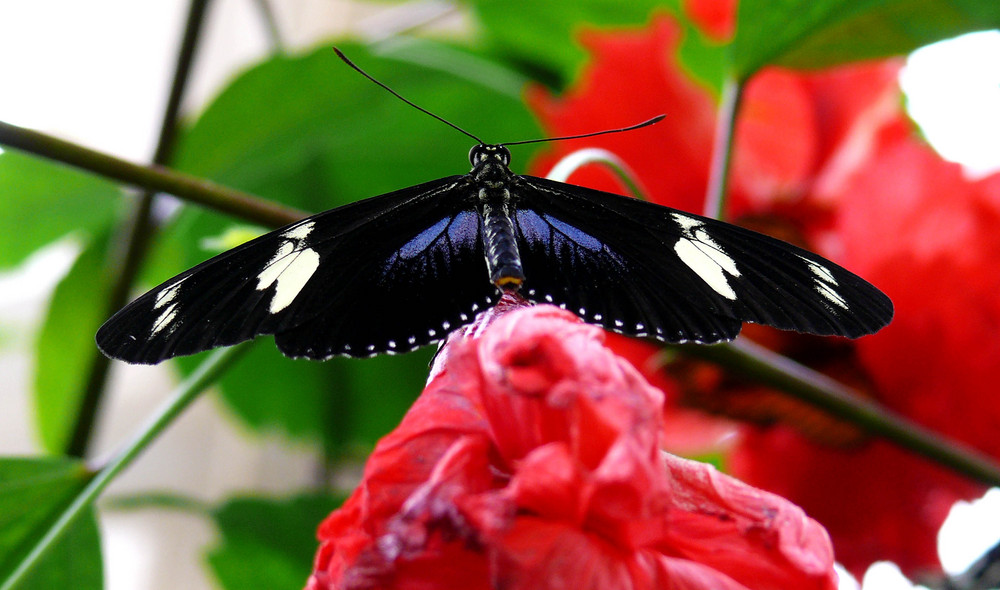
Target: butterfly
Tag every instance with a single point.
(402, 270)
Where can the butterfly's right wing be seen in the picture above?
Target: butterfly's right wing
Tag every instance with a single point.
(386, 274)
(645, 270)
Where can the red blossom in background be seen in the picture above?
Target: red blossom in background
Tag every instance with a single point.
(827, 160)
(532, 460)
(717, 18)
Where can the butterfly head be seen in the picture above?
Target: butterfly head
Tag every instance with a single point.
(482, 154)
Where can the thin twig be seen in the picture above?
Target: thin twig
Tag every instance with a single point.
(573, 161)
(271, 22)
(138, 233)
(154, 178)
(184, 394)
(770, 368)
(722, 149)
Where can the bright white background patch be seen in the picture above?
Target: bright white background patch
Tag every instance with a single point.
(952, 91)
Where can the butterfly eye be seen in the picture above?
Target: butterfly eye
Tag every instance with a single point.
(504, 155)
(476, 154)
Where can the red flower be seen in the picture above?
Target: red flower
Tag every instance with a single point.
(716, 17)
(827, 160)
(926, 235)
(532, 460)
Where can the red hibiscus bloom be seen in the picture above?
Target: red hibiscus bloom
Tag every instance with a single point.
(716, 17)
(936, 363)
(826, 160)
(532, 460)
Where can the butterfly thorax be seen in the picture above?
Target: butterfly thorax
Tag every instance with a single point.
(492, 180)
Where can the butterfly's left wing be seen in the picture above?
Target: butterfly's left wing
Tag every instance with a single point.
(386, 274)
(645, 270)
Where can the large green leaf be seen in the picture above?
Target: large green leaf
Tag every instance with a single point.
(542, 37)
(41, 202)
(65, 347)
(309, 131)
(341, 403)
(268, 544)
(821, 33)
(33, 493)
(74, 561)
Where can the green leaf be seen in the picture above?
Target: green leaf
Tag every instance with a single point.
(74, 561)
(41, 202)
(268, 544)
(543, 37)
(822, 33)
(33, 494)
(340, 402)
(65, 347)
(309, 131)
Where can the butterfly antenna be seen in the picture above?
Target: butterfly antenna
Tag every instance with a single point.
(652, 121)
(400, 97)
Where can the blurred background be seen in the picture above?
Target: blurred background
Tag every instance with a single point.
(98, 73)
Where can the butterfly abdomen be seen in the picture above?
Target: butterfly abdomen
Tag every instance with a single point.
(502, 257)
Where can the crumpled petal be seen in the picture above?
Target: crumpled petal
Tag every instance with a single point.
(532, 461)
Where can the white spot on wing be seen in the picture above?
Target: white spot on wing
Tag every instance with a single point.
(687, 223)
(300, 231)
(166, 319)
(167, 295)
(705, 266)
(827, 291)
(289, 271)
(704, 256)
(821, 272)
(825, 283)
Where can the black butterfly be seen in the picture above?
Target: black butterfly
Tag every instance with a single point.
(402, 270)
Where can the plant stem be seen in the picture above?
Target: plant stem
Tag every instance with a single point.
(271, 22)
(138, 233)
(565, 167)
(770, 368)
(154, 178)
(183, 395)
(722, 148)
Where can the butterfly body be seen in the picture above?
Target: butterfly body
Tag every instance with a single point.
(492, 181)
(398, 271)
